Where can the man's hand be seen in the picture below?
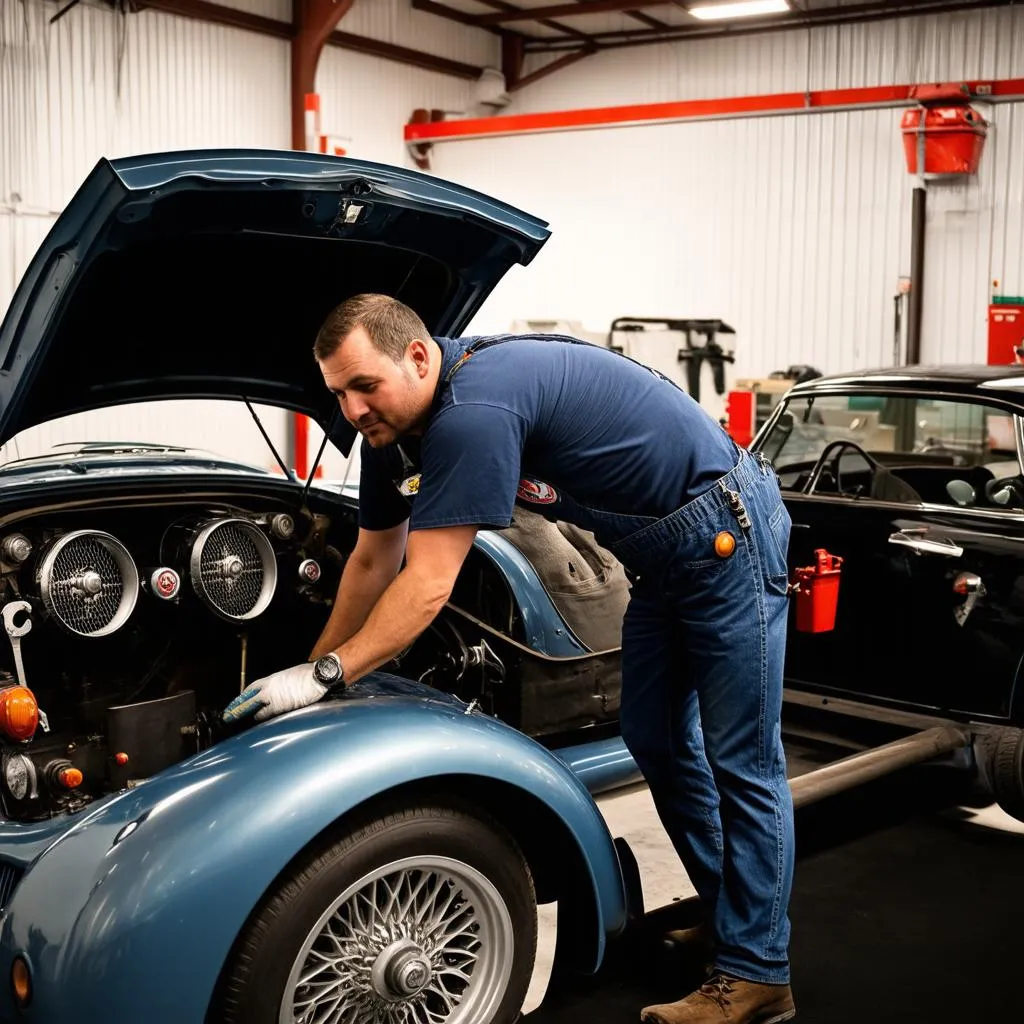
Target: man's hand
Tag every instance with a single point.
(275, 694)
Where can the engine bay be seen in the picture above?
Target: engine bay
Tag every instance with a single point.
(129, 624)
(130, 621)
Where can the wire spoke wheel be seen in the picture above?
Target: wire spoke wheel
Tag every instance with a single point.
(421, 940)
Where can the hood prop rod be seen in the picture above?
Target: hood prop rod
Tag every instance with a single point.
(319, 454)
(266, 437)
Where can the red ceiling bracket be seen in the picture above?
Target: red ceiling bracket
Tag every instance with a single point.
(420, 151)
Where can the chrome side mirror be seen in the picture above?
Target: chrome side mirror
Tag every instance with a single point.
(961, 493)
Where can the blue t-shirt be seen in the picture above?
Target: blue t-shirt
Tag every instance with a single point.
(580, 421)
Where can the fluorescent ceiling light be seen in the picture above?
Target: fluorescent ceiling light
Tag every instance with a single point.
(739, 9)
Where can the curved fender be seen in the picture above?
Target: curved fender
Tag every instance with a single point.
(140, 900)
(547, 632)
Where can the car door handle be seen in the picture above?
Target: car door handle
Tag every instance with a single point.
(923, 546)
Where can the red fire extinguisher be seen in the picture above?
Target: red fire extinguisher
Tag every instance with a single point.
(817, 593)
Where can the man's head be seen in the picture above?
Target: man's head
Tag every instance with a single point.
(378, 357)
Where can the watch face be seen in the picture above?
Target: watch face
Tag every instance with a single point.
(326, 669)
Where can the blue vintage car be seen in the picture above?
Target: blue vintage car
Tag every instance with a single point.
(376, 857)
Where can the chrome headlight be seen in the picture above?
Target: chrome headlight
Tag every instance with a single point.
(88, 582)
(233, 568)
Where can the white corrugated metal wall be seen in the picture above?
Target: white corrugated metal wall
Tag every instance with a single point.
(99, 84)
(794, 229)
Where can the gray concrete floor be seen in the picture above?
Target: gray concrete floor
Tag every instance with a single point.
(630, 813)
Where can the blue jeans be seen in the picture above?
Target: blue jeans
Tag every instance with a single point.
(702, 660)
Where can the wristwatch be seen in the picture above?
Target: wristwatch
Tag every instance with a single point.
(327, 671)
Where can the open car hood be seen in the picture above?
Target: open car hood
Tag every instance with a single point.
(207, 274)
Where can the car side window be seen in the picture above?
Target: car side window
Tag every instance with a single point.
(901, 448)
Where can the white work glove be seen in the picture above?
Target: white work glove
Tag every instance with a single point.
(275, 694)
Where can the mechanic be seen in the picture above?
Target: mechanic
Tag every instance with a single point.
(454, 432)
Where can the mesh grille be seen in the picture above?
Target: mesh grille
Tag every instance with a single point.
(232, 570)
(85, 585)
(9, 878)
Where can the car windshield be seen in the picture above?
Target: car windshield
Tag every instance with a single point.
(185, 428)
(896, 430)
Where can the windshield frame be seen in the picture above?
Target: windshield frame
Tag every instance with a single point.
(995, 401)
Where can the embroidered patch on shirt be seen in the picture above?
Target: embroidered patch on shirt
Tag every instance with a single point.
(536, 492)
(410, 485)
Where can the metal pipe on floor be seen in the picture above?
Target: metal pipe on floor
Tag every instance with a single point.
(602, 765)
(873, 764)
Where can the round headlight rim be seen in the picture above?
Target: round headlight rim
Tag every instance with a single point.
(126, 566)
(267, 557)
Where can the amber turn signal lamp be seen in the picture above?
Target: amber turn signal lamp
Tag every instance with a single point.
(21, 982)
(19, 712)
(69, 778)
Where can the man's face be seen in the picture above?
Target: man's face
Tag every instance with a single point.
(382, 399)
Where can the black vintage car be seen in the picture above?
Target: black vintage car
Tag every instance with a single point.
(913, 477)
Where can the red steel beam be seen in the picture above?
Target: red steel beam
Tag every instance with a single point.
(799, 17)
(550, 69)
(404, 55)
(572, 7)
(313, 22)
(563, 10)
(691, 110)
(218, 14)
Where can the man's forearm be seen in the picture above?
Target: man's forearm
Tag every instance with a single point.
(360, 588)
(404, 610)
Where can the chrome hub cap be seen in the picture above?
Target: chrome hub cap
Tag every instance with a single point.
(424, 940)
(400, 971)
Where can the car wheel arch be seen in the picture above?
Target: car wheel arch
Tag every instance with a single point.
(557, 863)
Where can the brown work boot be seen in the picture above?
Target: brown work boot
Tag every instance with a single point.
(723, 999)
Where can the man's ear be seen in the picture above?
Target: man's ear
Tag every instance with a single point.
(419, 353)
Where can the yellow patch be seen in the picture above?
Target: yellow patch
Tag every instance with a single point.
(725, 544)
(410, 485)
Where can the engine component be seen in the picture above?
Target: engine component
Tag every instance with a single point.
(282, 526)
(16, 548)
(88, 582)
(309, 571)
(165, 583)
(233, 568)
(152, 735)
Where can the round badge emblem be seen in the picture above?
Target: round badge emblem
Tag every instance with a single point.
(536, 492)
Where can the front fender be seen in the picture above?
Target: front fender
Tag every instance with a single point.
(143, 897)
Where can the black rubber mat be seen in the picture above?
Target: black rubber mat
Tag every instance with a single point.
(903, 911)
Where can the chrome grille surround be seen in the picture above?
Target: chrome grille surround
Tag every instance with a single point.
(233, 569)
(88, 582)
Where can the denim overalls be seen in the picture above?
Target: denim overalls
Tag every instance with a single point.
(703, 648)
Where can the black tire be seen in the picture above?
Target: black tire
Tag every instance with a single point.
(256, 979)
(1007, 772)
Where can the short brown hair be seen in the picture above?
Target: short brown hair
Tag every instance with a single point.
(390, 324)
